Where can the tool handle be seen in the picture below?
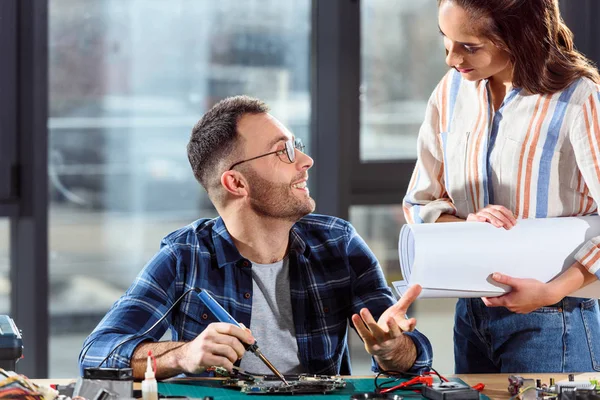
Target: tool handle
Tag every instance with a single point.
(216, 308)
(222, 315)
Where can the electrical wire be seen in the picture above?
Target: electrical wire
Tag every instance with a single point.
(139, 335)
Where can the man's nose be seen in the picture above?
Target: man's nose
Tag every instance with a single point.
(303, 160)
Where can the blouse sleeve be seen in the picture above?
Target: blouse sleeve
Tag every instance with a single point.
(585, 137)
(426, 198)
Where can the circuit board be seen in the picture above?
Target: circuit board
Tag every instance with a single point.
(298, 384)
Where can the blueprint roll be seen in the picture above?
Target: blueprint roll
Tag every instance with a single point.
(456, 259)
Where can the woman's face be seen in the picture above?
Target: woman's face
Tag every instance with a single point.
(473, 55)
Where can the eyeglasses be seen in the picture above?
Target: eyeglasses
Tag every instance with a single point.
(289, 151)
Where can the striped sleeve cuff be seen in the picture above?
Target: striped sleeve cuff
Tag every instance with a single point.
(589, 256)
(432, 211)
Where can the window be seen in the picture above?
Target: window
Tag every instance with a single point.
(128, 80)
(402, 58)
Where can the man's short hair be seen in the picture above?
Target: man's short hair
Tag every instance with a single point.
(214, 137)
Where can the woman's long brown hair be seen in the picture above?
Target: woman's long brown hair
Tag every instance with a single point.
(539, 44)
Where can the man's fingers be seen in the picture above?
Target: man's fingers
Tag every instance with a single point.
(408, 325)
(362, 330)
(376, 331)
(225, 351)
(393, 327)
(405, 301)
(225, 328)
(232, 342)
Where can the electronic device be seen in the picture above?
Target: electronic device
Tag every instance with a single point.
(296, 384)
(449, 391)
(105, 383)
(579, 394)
(11, 343)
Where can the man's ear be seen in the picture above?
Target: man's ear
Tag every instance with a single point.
(234, 183)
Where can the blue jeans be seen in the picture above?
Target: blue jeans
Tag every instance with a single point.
(564, 337)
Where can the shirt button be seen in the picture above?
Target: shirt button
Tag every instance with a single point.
(204, 316)
(325, 309)
(245, 263)
(247, 295)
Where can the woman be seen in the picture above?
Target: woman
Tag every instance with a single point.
(513, 131)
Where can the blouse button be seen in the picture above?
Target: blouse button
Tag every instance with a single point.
(247, 295)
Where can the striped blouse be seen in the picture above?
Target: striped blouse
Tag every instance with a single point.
(537, 155)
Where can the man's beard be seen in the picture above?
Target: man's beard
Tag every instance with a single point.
(276, 200)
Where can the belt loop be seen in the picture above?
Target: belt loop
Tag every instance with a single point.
(562, 305)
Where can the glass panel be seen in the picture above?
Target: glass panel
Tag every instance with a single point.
(402, 60)
(128, 80)
(5, 266)
(380, 226)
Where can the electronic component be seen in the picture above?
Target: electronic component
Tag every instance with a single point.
(571, 385)
(11, 343)
(270, 384)
(449, 391)
(518, 385)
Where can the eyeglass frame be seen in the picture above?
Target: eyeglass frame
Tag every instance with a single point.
(291, 154)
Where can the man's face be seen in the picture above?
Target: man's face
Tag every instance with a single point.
(277, 188)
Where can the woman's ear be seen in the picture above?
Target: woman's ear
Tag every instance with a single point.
(234, 183)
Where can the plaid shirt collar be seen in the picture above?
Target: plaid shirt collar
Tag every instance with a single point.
(228, 254)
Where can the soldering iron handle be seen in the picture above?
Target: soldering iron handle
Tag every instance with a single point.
(216, 308)
(221, 314)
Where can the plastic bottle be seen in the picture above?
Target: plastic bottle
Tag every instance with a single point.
(149, 385)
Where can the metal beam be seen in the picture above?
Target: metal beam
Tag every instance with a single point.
(29, 229)
(8, 93)
(335, 108)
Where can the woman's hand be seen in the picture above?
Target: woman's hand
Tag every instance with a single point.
(499, 216)
(526, 294)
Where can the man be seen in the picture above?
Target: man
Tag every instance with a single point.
(295, 279)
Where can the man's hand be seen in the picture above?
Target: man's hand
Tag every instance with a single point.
(219, 344)
(384, 339)
(499, 216)
(526, 295)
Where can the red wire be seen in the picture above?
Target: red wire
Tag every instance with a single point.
(425, 380)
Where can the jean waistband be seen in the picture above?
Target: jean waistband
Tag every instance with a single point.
(571, 303)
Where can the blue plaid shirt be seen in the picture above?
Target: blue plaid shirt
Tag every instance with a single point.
(333, 274)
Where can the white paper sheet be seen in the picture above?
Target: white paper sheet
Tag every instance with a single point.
(456, 259)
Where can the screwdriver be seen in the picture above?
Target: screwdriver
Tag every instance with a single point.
(224, 316)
